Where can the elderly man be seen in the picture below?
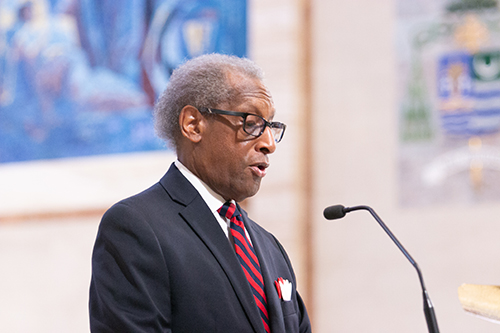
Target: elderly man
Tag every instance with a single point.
(182, 256)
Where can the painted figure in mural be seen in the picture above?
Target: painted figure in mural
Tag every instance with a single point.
(86, 73)
(178, 257)
(53, 102)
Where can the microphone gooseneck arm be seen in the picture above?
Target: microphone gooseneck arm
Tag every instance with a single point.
(339, 211)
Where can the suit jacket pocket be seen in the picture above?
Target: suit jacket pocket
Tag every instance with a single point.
(290, 317)
(288, 308)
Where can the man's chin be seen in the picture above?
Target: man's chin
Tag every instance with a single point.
(248, 193)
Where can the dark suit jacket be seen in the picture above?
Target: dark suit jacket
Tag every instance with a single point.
(161, 263)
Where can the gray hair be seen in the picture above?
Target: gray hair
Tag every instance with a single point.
(200, 82)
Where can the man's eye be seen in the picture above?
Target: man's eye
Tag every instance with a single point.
(251, 124)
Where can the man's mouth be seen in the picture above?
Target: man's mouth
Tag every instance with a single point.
(260, 169)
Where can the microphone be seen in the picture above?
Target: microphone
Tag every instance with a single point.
(339, 211)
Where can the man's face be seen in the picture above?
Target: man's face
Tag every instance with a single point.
(229, 161)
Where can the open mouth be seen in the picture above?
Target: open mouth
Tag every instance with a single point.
(260, 169)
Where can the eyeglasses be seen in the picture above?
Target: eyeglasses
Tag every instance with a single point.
(253, 124)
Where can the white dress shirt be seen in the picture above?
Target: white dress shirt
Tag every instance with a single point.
(213, 200)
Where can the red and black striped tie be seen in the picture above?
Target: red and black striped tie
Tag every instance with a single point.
(248, 260)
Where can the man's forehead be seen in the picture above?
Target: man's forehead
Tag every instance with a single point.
(253, 88)
(252, 95)
(253, 103)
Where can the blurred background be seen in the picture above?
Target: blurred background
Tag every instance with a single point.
(393, 104)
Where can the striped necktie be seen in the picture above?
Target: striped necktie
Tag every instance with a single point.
(248, 260)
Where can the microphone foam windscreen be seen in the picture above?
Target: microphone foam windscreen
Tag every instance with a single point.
(334, 212)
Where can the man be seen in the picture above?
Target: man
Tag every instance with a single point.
(183, 256)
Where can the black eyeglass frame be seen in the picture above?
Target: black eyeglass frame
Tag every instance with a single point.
(272, 125)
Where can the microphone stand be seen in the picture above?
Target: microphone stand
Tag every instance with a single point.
(430, 316)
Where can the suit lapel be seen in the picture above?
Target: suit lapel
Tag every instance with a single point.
(269, 274)
(197, 214)
(276, 321)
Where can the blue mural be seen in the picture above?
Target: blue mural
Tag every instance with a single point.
(80, 77)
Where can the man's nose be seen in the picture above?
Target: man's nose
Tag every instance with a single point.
(267, 144)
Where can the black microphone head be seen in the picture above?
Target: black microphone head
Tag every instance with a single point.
(334, 212)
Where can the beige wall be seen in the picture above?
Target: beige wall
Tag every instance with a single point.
(45, 275)
(371, 286)
(361, 282)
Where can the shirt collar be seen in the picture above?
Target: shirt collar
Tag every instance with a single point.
(213, 200)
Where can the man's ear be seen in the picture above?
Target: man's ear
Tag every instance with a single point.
(192, 123)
